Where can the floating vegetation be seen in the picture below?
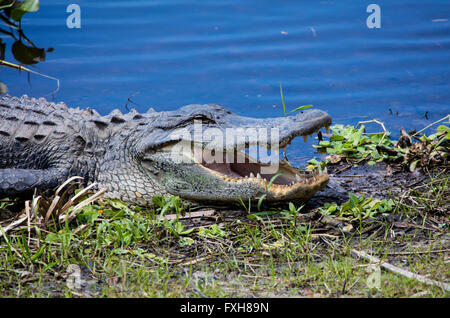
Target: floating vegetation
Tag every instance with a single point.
(349, 143)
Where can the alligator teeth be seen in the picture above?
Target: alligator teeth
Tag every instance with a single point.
(320, 170)
(297, 177)
(252, 175)
(258, 176)
(325, 170)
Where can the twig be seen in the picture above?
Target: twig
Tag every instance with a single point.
(377, 122)
(189, 215)
(21, 68)
(194, 261)
(437, 121)
(343, 169)
(399, 270)
(352, 176)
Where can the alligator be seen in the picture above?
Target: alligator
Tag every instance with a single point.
(135, 156)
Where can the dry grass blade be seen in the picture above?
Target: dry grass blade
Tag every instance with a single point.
(41, 209)
(72, 200)
(69, 217)
(51, 208)
(84, 191)
(66, 183)
(57, 198)
(35, 206)
(193, 261)
(14, 224)
(28, 214)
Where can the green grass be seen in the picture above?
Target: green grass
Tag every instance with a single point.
(284, 104)
(132, 252)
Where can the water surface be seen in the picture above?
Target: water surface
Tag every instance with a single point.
(165, 54)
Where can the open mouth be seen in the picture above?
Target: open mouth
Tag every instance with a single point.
(282, 179)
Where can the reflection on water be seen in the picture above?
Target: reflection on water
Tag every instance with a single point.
(165, 54)
(24, 51)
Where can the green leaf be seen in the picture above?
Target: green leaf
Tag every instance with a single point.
(117, 204)
(214, 231)
(25, 7)
(291, 207)
(337, 138)
(442, 129)
(313, 162)
(158, 200)
(4, 4)
(301, 108)
(413, 165)
(261, 199)
(185, 241)
(282, 100)
(273, 179)
(353, 199)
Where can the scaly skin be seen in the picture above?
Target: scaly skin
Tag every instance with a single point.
(131, 155)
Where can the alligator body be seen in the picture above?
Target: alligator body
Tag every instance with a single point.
(196, 152)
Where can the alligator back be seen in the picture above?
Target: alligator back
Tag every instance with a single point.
(43, 143)
(30, 120)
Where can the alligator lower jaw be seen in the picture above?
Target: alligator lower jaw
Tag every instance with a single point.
(290, 182)
(284, 182)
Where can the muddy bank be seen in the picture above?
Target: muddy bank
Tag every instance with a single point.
(380, 181)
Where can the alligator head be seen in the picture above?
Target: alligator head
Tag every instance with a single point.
(206, 153)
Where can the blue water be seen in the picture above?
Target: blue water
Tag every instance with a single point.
(165, 54)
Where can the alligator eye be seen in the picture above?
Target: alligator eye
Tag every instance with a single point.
(205, 119)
